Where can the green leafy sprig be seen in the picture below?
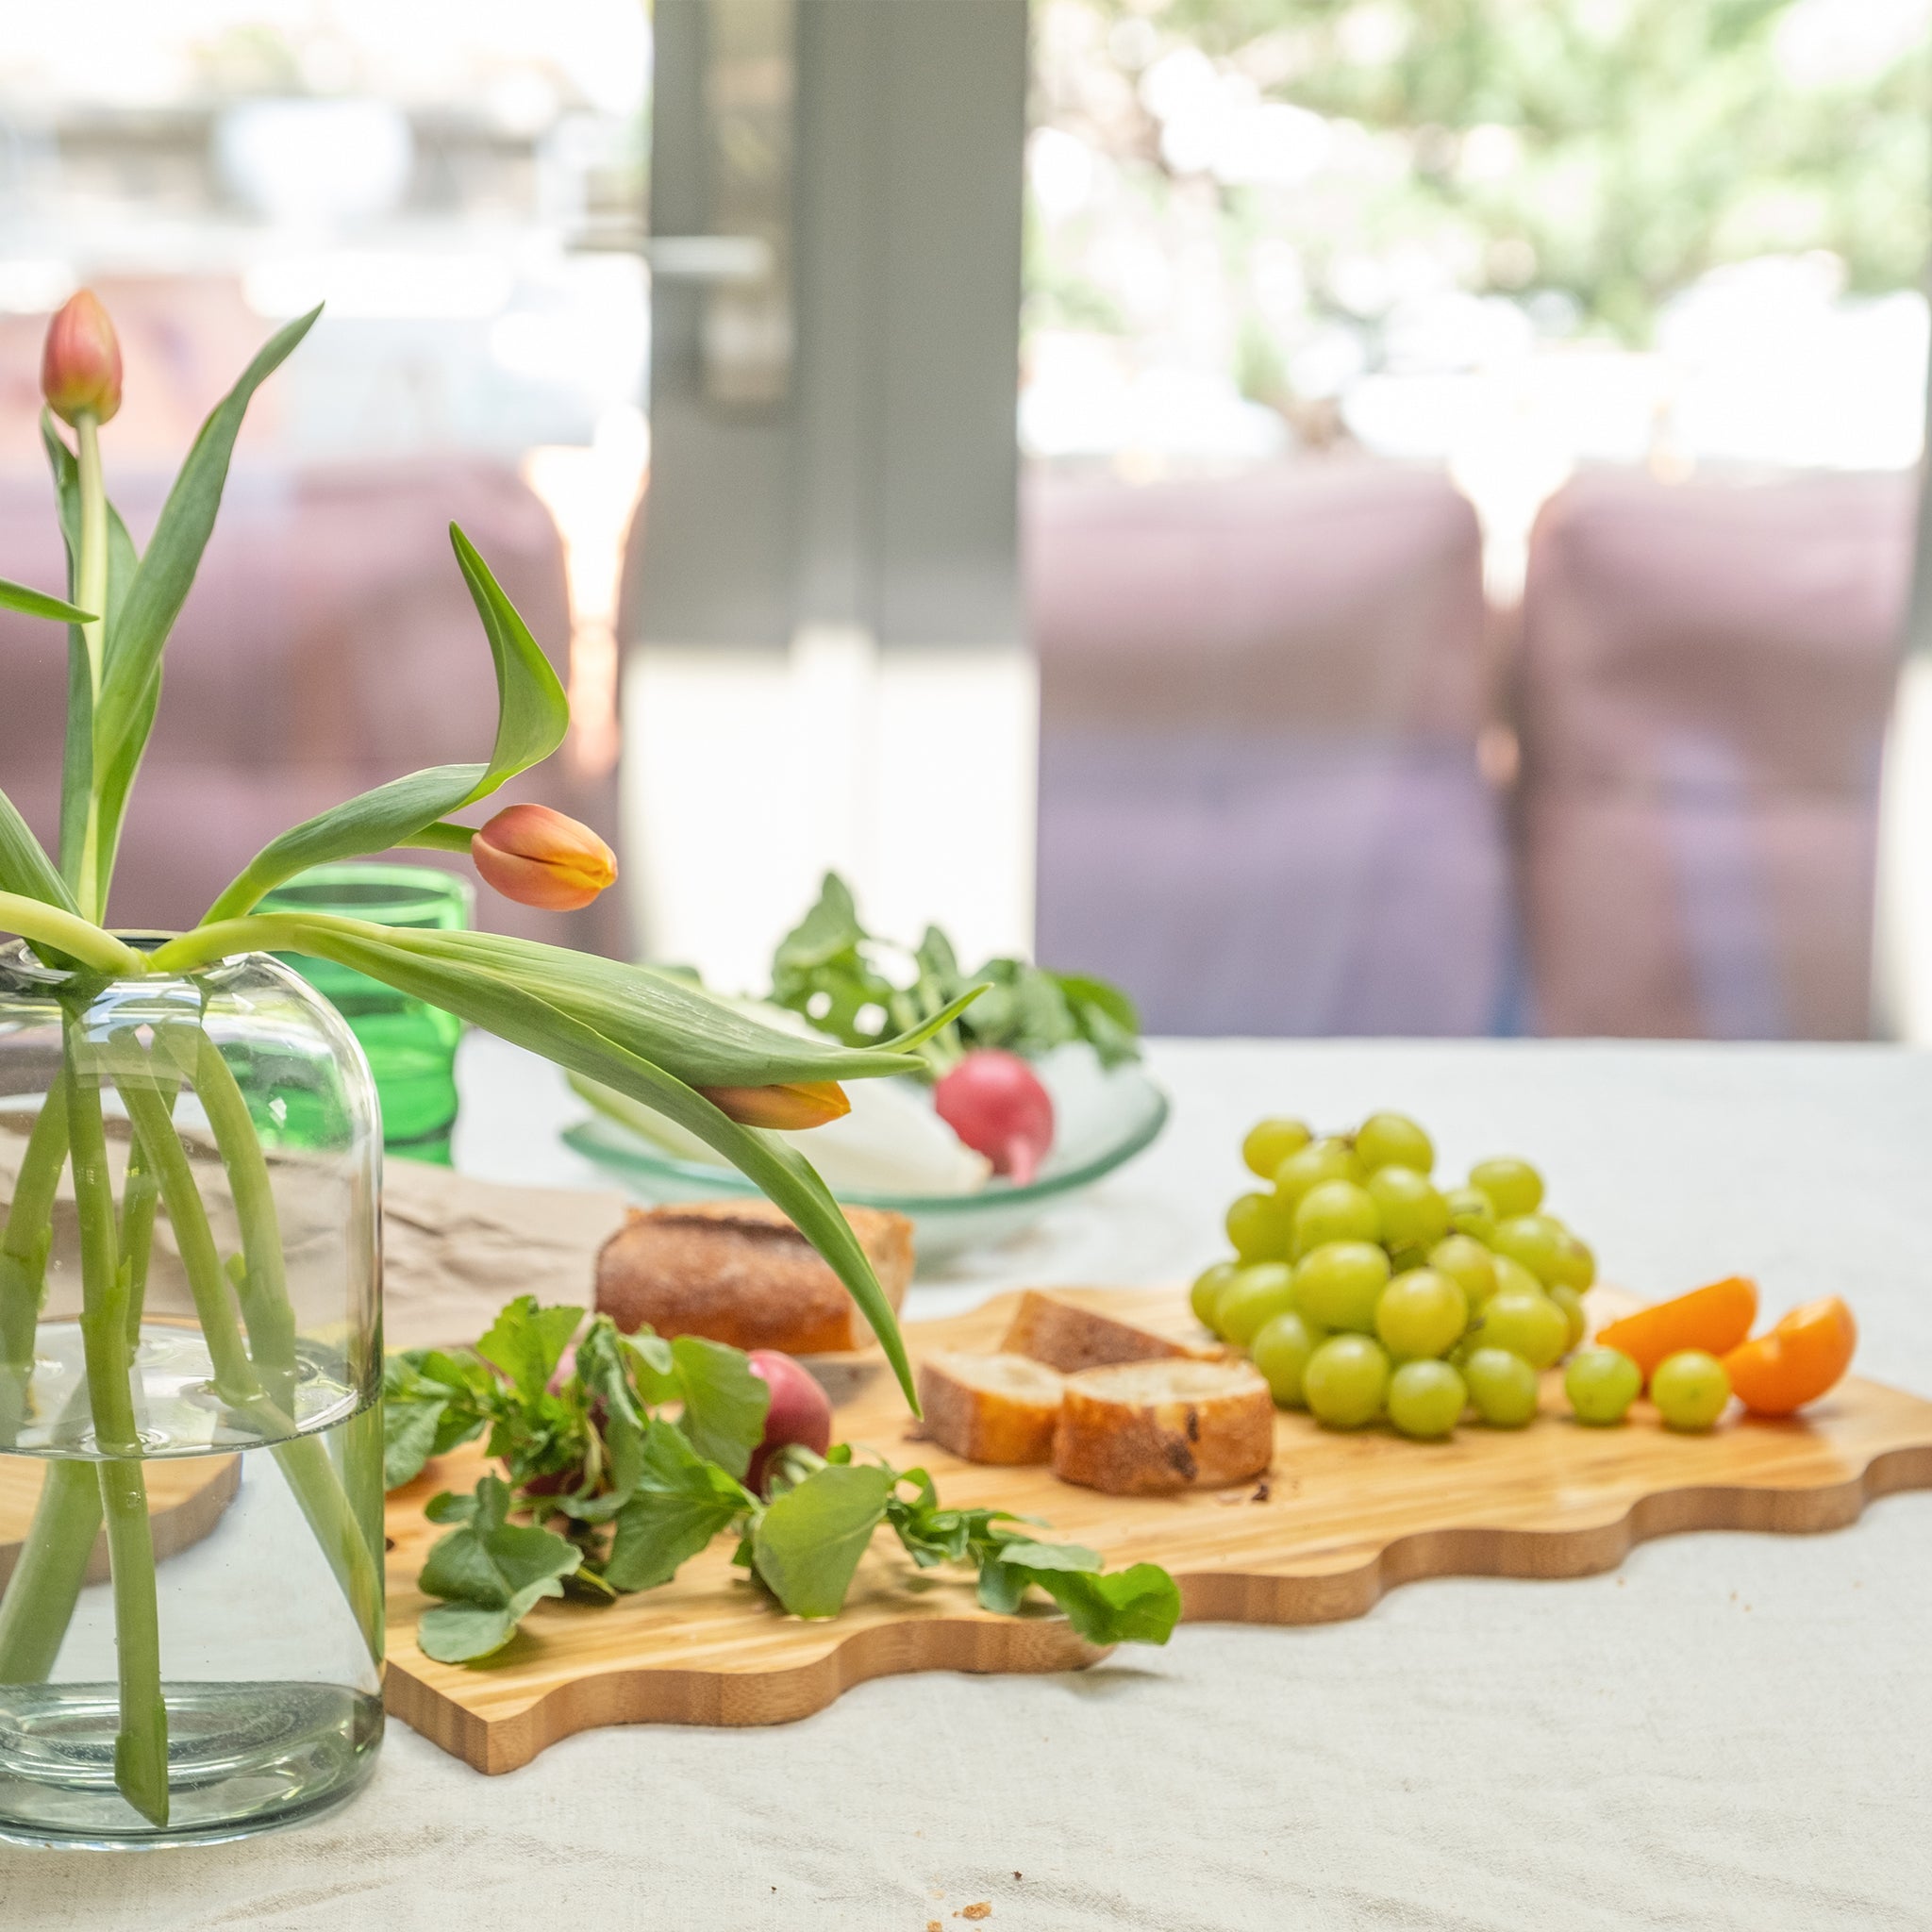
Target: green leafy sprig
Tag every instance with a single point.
(859, 988)
(631, 1459)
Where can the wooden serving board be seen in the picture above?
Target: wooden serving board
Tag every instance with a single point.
(1338, 1519)
(186, 1496)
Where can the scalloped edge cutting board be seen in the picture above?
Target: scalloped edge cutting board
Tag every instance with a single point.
(186, 1498)
(1338, 1519)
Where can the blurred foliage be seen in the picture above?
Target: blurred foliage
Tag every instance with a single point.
(1606, 152)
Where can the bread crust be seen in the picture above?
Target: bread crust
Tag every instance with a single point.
(738, 1272)
(1151, 1429)
(1070, 1337)
(998, 1408)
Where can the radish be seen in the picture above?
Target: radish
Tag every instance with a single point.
(801, 1411)
(995, 1104)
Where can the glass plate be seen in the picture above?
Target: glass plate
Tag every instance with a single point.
(1102, 1119)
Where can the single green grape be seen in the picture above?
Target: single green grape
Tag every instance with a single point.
(1259, 1227)
(1466, 1262)
(1503, 1386)
(1206, 1291)
(1393, 1139)
(1602, 1383)
(1531, 1326)
(1512, 1278)
(1421, 1313)
(1426, 1399)
(1414, 1215)
(1255, 1296)
(1335, 1211)
(1572, 1305)
(1319, 1161)
(1345, 1381)
(1471, 1213)
(1338, 1285)
(1513, 1187)
(1281, 1352)
(1575, 1264)
(1690, 1388)
(1271, 1141)
(1534, 1239)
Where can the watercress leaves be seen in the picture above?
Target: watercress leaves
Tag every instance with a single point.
(678, 1504)
(528, 1343)
(428, 1406)
(1138, 1605)
(725, 1404)
(860, 989)
(808, 1542)
(639, 1494)
(491, 1574)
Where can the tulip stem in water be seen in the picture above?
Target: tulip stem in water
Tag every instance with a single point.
(141, 1750)
(47, 1578)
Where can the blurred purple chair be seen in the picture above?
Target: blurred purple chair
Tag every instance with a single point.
(1259, 807)
(329, 644)
(1705, 673)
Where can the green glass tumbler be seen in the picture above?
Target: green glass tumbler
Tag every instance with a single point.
(412, 1046)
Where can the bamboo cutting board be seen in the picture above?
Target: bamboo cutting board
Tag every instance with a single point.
(1338, 1519)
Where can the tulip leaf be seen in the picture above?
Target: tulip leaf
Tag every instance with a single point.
(132, 673)
(77, 763)
(24, 867)
(32, 602)
(665, 1019)
(533, 715)
(517, 1011)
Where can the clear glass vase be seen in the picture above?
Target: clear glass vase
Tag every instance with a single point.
(190, 1445)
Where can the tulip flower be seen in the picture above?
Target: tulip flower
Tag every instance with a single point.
(80, 366)
(539, 857)
(792, 1103)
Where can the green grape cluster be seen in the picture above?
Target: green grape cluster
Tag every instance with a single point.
(1363, 1289)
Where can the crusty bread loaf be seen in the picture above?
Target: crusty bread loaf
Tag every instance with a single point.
(740, 1272)
(990, 1408)
(1145, 1428)
(1070, 1337)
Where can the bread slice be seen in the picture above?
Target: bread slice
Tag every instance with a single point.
(1149, 1429)
(990, 1408)
(740, 1272)
(1068, 1337)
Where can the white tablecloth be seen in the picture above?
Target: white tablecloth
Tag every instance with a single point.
(1731, 1731)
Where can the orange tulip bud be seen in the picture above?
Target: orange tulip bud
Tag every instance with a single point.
(794, 1104)
(80, 366)
(538, 858)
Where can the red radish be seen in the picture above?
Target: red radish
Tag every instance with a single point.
(801, 1411)
(995, 1104)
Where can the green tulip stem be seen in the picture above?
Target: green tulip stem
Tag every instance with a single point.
(262, 1281)
(90, 594)
(137, 1235)
(141, 1750)
(79, 938)
(30, 1231)
(304, 1460)
(51, 1566)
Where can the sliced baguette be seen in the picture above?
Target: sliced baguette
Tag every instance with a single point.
(990, 1408)
(1149, 1429)
(1070, 1337)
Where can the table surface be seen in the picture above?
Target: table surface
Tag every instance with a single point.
(1732, 1730)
